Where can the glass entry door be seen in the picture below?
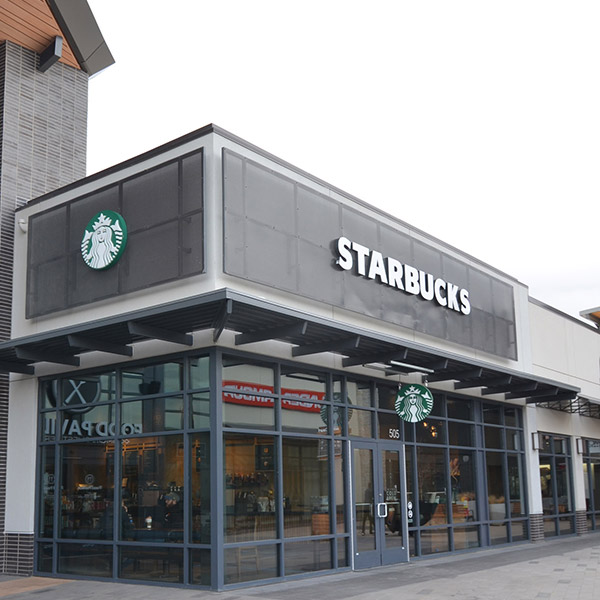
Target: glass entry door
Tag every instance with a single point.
(379, 492)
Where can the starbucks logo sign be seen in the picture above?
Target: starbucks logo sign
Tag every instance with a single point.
(104, 240)
(414, 402)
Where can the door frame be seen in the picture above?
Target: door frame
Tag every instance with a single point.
(380, 555)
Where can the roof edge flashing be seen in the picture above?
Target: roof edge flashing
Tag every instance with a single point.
(81, 30)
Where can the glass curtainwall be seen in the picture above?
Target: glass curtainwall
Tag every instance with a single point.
(124, 459)
(221, 469)
(591, 479)
(557, 486)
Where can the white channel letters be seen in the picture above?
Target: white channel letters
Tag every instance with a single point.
(389, 271)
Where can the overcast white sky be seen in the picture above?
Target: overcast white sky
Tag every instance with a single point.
(476, 121)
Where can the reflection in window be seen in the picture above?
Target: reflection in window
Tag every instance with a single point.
(200, 411)
(200, 483)
(303, 557)
(152, 484)
(250, 507)
(555, 480)
(49, 426)
(87, 492)
(247, 410)
(360, 422)
(432, 473)
(495, 481)
(359, 393)
(515, 486)
(80, 392)
(459, 409)
(47, 491)
(305, 487)
(95, 421)
(492, 414)
(493, 437)
(155, 379)
(310, 387)
(250, 563)
(243, 404)
(463, 486)
(386, 396)
(305, 416)
(461, 434)
(547, 487)
(466, 537)
(199, 372)
(431, 431)
(152, 415)
(434, 541)
(563, 488)
(152, 564)
(90, 560)
(252, 378)
(340, 493)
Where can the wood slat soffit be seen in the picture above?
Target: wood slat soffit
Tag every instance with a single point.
(31, 24)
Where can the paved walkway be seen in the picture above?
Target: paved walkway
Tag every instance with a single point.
(559, 569)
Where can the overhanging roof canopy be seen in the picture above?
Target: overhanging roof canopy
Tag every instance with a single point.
(593, 314)
(257, 320)
(35, 24)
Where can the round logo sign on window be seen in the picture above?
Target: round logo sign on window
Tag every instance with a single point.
(104, 240)
(414, 402)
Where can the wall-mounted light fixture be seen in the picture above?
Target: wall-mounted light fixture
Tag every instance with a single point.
(580, 445)
(536, 440)
(22, 225)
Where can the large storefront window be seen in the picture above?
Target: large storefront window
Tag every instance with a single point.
(125, 486)
(468, 495)
(555, 479)
(280, 484)
(147, 469)
(591, 478)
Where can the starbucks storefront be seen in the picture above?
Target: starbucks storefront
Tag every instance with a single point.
(239, 375)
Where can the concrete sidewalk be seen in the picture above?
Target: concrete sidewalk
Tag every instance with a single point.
(564, 568)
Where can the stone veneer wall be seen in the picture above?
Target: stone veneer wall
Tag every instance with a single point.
(536, 524)
(581, 524)
(43, 136)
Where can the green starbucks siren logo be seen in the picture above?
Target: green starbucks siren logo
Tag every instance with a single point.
(414, 402)
(104, 240)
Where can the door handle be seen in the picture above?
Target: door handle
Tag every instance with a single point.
(382, 510)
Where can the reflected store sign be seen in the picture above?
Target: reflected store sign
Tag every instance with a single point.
(73, 428)
(249, 394)
(371, 264)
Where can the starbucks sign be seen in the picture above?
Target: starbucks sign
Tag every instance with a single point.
(414, 402)
(104, 240)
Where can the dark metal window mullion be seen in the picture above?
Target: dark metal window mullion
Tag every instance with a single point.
(57, 481)
(331, 449)
(217, 554)
(118, 458)
(280, 533)
(187, 467)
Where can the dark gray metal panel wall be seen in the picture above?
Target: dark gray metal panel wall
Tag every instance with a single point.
(280, 233)
(163, 208)
(43, 122)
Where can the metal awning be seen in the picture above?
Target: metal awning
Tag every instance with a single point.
(580, 405)
(254, 320)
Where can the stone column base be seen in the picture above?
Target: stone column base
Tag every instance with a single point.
(581, 525)
(536, 527)
(17, 554)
